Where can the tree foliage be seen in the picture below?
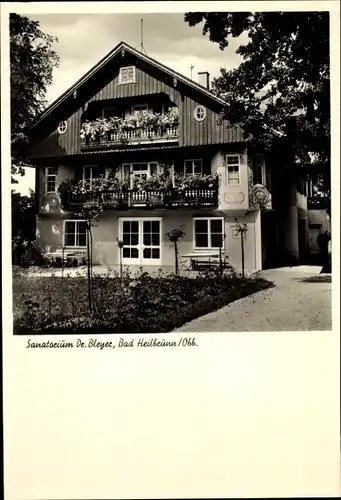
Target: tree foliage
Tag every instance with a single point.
(23, 224)
(32, 62)
(280, 92)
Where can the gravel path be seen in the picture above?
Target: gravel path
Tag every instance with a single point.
(293, 304)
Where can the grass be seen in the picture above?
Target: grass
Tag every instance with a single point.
(135, 304)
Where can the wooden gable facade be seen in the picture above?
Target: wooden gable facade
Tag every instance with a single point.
(154, 85)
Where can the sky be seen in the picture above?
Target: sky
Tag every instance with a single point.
(85, 38)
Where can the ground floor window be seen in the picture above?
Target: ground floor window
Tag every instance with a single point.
(142, 241)
(208, 233)
(75, 233)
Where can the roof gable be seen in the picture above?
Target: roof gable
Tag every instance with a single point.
(121, 48)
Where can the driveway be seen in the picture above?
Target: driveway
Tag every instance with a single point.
(301, 300)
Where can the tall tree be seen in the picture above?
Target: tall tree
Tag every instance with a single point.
(280, 92)
(32, 61)
(23, 224)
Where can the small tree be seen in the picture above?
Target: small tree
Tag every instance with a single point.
(174, 236)
(241, 228)
(120, 245)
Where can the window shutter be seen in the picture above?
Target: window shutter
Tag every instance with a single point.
(153, 168)
(102, 170)
(126, 171)
(206, 166)
(267, 177)
(179, 166)
(78, 173)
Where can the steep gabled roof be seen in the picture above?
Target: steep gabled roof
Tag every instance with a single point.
(109, 57)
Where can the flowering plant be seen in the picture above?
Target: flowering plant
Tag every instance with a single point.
(183, 182)
(102, 127)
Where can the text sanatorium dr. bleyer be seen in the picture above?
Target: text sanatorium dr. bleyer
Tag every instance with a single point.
(95, 343)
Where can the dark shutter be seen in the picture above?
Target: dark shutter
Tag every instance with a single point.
(78, 172)
(101, 169)
(206, 166)
(179, 166)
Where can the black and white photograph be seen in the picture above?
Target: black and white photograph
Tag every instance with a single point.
(181, 179)
(171, 252)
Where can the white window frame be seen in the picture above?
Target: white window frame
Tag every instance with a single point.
(140, 260)
(263, 173)
(190, 160)
(198, 109)
(135, 107)
(76, 221)
(132, 173)
(208, 248)
(47, 176)
(62, 127)
(133, 80)
(90, 167)
(228, 155)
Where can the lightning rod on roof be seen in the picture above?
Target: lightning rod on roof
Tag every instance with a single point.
(141, 46)
(191, 68)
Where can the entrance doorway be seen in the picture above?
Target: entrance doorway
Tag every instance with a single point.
(142, 241)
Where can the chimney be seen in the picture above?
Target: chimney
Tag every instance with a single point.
(204, 79)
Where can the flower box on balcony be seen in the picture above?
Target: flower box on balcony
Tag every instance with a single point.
(158, 190)
(142, 127)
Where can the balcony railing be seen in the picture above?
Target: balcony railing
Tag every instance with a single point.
(132, 136)
(191, 197)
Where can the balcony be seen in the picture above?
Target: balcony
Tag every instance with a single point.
(141, 128)
(133, 198)
(141, 135)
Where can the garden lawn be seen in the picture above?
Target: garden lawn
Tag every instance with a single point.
(138, 304)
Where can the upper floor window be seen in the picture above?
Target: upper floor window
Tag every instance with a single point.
(127, 75)
(208, 233)
(137, 108)
(62, 127)
(90, 172)
(200, 113)
(259, 170)
(233, 169)
(193, 167)
(139, 171)
(50, 179)
(75, 233)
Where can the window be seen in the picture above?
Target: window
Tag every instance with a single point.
(200, 113)
(127, 75)
(137, 108)
(75, 233)
(208, 233)
(193, 167)
(232, 165)
(139, 170)
(259, 170)
(62, 127)
(142, 241)
(50, 176)
(90, 172)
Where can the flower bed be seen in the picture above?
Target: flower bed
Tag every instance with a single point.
(137, 304)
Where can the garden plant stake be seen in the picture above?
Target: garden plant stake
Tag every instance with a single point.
(241, 228)
(120, 245)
